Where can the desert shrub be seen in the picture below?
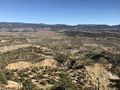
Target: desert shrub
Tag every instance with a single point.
(20, 54)
(28, 85)
(3, 78)
(60, 57)
(51, 81)
(16, 79)
(65, 84)
(38, 76)
(38, 50)
(89, 88)
(35, 69)
(9, 75)
(115, 84)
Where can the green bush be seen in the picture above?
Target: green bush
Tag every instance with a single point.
(60, 57)
(28, 85)
(65, 84)
(3, 78)
(9, 74)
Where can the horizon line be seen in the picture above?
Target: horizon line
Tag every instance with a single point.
(58, 23)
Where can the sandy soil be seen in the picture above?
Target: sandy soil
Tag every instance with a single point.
(22, 64)
(19, 65)
(13, 47)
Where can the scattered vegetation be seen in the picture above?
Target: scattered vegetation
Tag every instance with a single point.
(81, 57)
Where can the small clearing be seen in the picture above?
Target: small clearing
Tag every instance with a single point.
(13, 47)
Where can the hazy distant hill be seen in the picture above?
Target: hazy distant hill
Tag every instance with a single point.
(12, 26)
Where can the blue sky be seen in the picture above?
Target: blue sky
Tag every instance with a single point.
(61, 11)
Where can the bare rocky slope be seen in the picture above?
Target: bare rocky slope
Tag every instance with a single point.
(71, 58)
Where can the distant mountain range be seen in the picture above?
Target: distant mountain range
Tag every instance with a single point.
(13, 26)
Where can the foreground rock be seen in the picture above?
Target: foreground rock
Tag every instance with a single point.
(13, 85)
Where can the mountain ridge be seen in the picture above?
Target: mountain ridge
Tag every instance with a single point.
(17, 26)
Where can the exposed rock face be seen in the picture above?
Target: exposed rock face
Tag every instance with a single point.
(22, 64)
(13, 85)
(47, 62)
(99, 74)
(19, 65)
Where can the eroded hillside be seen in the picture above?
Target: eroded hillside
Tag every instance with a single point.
(49, 60)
